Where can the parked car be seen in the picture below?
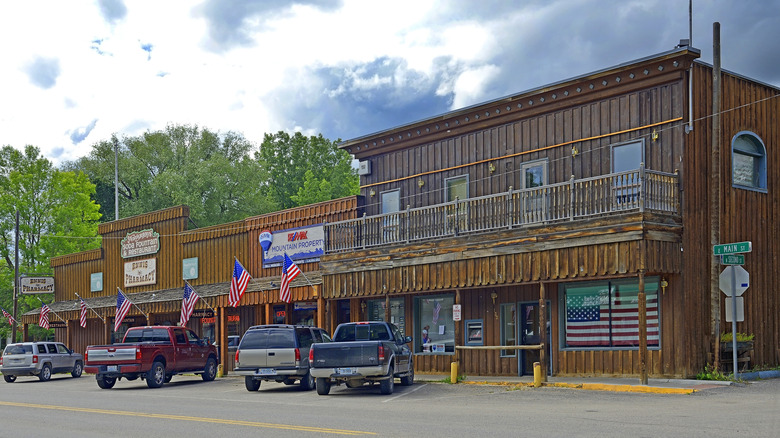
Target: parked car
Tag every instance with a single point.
(368, 351)
(278, 353)
(153, 353)
(40, 359)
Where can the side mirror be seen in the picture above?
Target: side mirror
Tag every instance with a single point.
(407, 339)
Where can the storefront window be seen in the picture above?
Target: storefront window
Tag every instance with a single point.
(435, 328)
(304, 313)
(508, 332)
(605, 315)
(376, 312)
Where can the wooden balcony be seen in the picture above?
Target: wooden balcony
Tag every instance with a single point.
(633, 191)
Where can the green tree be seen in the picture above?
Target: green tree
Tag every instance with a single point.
(303, 170)
(57, 216)
(212, 173)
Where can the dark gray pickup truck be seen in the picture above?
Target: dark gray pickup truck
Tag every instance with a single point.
(362, 352)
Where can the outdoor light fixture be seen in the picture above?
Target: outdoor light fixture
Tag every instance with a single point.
(492, 167)
(420, 183)
(664, 284)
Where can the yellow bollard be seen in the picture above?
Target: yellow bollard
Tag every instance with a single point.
(219, 371)
(537, 375)
(454, 372)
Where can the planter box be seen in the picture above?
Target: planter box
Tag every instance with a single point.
(726, 347)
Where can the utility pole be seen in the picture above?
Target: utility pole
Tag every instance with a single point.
(715, 196)
(116, 177)
(16, 279)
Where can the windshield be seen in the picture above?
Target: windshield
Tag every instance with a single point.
(18, 349)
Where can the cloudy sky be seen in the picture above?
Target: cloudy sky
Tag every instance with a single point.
(74, 72)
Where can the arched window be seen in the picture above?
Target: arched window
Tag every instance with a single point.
(748, 162)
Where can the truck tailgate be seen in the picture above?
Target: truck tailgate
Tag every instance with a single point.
(110, 354)
(346, 354)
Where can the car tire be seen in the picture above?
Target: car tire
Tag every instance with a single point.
(323, 386)
(408, 380)
(307, 382)
(9, 379)
(106, 382)
(156, 375)
(45, 373)
(386, 385)
(210, 370)
(168, 378)
(251, 383)
(78, 368)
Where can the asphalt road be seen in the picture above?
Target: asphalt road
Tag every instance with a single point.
(189, 407)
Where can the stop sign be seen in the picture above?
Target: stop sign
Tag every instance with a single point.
(742, 278)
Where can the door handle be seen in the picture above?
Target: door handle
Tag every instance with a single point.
(272, 354)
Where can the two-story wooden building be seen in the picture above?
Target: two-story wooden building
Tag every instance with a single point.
(543, 217)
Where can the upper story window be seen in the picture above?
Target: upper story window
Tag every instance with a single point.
(534, 174)
(457, 187)
(748, 162)
(391, 201)
(627, 156)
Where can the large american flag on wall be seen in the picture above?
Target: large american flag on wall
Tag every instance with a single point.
(598, 318)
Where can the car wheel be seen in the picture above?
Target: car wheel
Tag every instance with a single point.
(307, 382)
(78, 368)
(45, 373)
(323, 386)
(156, 376)
(168, 378)
(408, 380)
(9, 379)
(210, 370)
(106, 382)
(251, 383)
(386, 386)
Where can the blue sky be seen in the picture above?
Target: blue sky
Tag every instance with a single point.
(76, 72)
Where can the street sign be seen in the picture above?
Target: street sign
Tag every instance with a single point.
(732, 248)
(740, 309)
(741, 280)
(732, 259)
(456, 312)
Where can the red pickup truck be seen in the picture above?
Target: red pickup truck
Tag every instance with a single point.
(153, 353)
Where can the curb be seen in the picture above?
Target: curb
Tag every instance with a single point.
(593, 387)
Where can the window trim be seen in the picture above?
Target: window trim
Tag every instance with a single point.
(544, 163)
(447, 187)
(762, 164)
(641, 143)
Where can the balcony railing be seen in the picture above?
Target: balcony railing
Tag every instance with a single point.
(638, 190)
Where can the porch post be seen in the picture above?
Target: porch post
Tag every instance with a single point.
(642, 330)
(543, 330)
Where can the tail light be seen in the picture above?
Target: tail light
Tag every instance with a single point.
(311, 355)
(86, 356)
(297, 354)
(137, 353)
(236, 357)
(381, 353)
(1, 361)
(35, 358)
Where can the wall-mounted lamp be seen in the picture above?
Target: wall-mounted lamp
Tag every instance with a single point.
(372, 193)
(494, 296)
(664, 284)
(491, 167)
(654, 135)
(363, 306)
(574, 151)
(420, 183)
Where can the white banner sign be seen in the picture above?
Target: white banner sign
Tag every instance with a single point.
(303, 245)
(140, 272)
(36, 285)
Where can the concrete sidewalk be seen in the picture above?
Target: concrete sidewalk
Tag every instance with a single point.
(617, 384)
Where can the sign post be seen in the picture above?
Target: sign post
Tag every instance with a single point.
(730, 254)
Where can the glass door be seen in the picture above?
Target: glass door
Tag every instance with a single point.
(528, 327)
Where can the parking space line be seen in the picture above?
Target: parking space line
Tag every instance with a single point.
(406, 393)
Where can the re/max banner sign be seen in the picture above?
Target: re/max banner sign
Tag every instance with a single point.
(303, 245)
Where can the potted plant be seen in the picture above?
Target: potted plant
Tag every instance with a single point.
(744, 342)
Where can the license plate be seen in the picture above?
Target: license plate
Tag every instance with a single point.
(111, 368)
(346, 370)
(266, 372)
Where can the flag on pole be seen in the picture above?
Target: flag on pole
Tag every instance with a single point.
(83, 318)
(238, 284)
(11, 319)
(43, 320)
(122, 308)
(187, 304)
(289, 271)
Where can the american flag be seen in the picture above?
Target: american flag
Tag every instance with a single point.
(122, 308)
(238, 284)
(43, 320)
(187, 304)
(436, 310)
(289, 271)
(10, 318)
(83, 318)
(597, 318)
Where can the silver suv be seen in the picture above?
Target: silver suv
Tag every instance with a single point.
(40, 359)
(278, 353)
